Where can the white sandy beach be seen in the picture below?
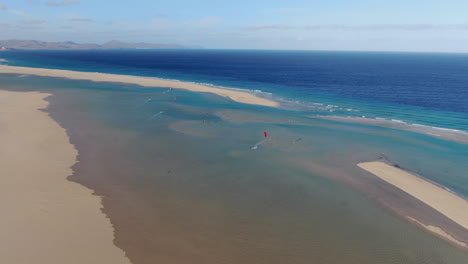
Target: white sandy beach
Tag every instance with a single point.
(46, 219)
(445, 202)
(238, 96)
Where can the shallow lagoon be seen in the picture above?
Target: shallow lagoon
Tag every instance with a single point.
(185, 185)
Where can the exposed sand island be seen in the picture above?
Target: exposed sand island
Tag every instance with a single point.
(46, 219)
(238, 96)
(445, 202)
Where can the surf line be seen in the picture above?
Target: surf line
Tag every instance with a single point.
(155, 115)
(265, 134)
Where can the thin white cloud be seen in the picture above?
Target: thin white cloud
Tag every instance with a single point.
(18, 12)
(32, 21)
(62, 3)
(161, 15)
(14, 11)
(5, 26)
(156, 23)
(75, 18)
(374, 27)
(203, 22)
(286, 10)
(161, 23)
(208, 21)
(33, 2)
(81, 19)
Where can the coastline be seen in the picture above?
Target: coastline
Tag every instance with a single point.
(52, 220)
(173, 196)
(235, 95)
(238, 96)
(444, 202)
(442, 133)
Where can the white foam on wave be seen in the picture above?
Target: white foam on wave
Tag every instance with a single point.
(3, 60)
(440, 132)
(284, 103)
(310, 106)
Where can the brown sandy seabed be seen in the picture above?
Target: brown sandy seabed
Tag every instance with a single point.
(452, 227)
(398, 202)
(395, 200)
(436, 196)
(391, 197)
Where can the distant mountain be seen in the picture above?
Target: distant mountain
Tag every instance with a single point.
(114, 44)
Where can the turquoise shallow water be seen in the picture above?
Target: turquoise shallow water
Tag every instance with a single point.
(416, 88)
(181, 183)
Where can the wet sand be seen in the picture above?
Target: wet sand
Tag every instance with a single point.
(450, 205)
(238, 96)
(46, 219)
(439, 231)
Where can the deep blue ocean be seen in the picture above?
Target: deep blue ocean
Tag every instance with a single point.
(418, 88)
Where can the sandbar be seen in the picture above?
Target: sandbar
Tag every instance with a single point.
(438, 132)
(445, 202)
(439, 231)
(238, 96)
(46, 219)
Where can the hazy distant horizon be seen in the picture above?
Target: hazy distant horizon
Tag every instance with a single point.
(337, 25)
(240, 48)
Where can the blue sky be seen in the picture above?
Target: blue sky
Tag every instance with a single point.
(412, 25)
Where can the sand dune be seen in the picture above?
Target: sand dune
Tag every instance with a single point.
(238, 96)
(445, 202)
(46, 219)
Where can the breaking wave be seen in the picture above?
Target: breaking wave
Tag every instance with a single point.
(440, 132)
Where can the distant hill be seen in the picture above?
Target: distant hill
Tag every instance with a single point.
(114, 44)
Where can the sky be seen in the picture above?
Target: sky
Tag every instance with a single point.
(372, 25)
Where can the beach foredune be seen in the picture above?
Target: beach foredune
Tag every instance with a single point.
(238, 96)
(440, 199)
(46, 219)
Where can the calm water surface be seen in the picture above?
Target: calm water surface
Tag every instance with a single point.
(181, 183)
